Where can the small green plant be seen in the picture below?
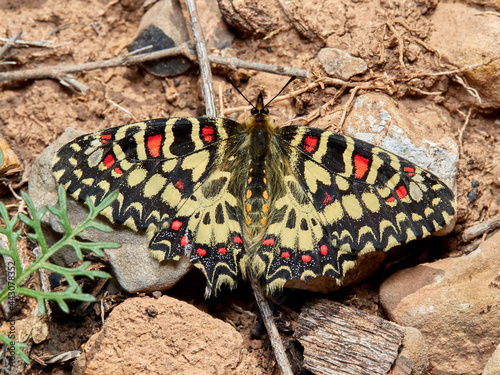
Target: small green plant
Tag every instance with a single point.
(17, 275)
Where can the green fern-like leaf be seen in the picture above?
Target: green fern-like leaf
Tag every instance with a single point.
(17, 274)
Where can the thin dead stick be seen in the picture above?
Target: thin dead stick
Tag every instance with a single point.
(479, 229)
(400, 42)
(26, 43)
(10, 42)
(72, 82)
(55, 71)
(201, 51)
(472, 91)
(282, 70)
(274, 336)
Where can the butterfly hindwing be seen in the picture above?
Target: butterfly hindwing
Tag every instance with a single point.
(345, 197)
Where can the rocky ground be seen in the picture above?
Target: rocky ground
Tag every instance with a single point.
(419, 78)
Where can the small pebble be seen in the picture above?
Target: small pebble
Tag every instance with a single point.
(474, 183)
(156, 294)
(472, 196)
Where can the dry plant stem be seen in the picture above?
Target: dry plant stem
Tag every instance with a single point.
(10, 42)
(58, 71)
(400, 42)
(481, 228)
(201, 51)
(274, 336)
(26, 43)
(234, 62)
(472, 91)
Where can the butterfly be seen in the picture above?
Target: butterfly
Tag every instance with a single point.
(291, 202)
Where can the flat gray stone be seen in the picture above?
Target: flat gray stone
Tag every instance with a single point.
(133, 266)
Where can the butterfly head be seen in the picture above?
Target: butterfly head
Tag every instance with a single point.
(259, 118)
(260, 108)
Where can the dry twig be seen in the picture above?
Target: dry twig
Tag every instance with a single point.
(274, 336)
(201, 51)
(27, 43)
(9, 43)
(61, 72)
(234, 62)
(481, 228)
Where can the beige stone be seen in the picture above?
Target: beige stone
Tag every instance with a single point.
(177, 339)
(455, 303)
(493, 365)
(340, 64)
(467, 36)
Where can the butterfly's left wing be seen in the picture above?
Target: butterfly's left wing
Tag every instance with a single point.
(173, 181)
(340, 198)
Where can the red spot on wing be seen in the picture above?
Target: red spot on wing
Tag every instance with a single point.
(268, 242)
(222, 250)
(360, 165)
(184, 241)
(237, 239)
(105, 138)
(154, 143)
(306, 258)
(324, 249)
(109, 161)
(118, 170)
(310, 143)
(390, 199)
(401, 192)
(327, 200)
(208, 133)
(409, 170)
(176, 225)
(179, 185)
(285, 254)
(201, 252)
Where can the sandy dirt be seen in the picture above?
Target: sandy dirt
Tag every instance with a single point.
(34, 113)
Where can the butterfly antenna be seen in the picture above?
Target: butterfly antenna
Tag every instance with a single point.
(237, 89)
(284, 87)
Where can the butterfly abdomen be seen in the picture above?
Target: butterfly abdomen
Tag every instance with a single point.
(260, 128)
(256, 198)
